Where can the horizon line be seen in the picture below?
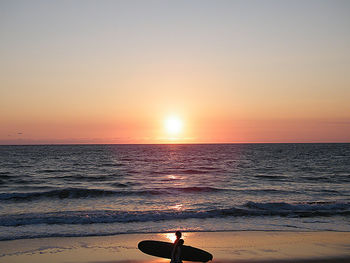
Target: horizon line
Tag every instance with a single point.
(200, 143)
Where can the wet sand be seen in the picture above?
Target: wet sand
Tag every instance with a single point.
(235, 247)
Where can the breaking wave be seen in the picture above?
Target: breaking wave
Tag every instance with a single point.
(251, 209)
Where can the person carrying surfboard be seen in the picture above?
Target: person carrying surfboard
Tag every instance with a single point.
(176, 251)
(176, 256)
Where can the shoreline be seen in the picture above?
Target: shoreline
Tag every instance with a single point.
(226, 246)
(172, 231)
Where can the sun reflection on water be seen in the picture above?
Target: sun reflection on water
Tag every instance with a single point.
(172, 177)
(177, 207)
(172, 237)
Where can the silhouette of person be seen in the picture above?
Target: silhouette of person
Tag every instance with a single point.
(176, 256)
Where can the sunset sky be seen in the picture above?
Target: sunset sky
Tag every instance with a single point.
(174, 71)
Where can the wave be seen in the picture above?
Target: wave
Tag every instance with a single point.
(307, 209)
(88, 178)
(124, 189)
(271, 177)
(250, 209)
(57, 193)
(5, 176)
(93, 193)
(110, 164)
(194, 171)
(54, 171)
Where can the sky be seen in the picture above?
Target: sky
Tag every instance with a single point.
(225, 71)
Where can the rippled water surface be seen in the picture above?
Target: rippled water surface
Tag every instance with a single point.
(78, 190)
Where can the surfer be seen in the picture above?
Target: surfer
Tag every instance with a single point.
(178, 235)
(176, 256)
(176, 251)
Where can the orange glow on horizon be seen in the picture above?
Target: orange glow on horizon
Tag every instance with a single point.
(167, 79)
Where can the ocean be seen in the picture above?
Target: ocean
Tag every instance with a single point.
(96, 190)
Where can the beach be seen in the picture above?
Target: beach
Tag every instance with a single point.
(231, 246)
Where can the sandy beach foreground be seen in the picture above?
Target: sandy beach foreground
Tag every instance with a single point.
(240, 246)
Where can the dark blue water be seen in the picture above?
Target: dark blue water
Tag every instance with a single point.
(80, 190)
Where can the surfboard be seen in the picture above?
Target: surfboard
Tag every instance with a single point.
(164, 249)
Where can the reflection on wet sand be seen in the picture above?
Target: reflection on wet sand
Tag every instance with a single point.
(226, 247)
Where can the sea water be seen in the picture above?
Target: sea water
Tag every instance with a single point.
(86, 190)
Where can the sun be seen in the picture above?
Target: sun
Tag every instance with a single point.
(173, 125)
